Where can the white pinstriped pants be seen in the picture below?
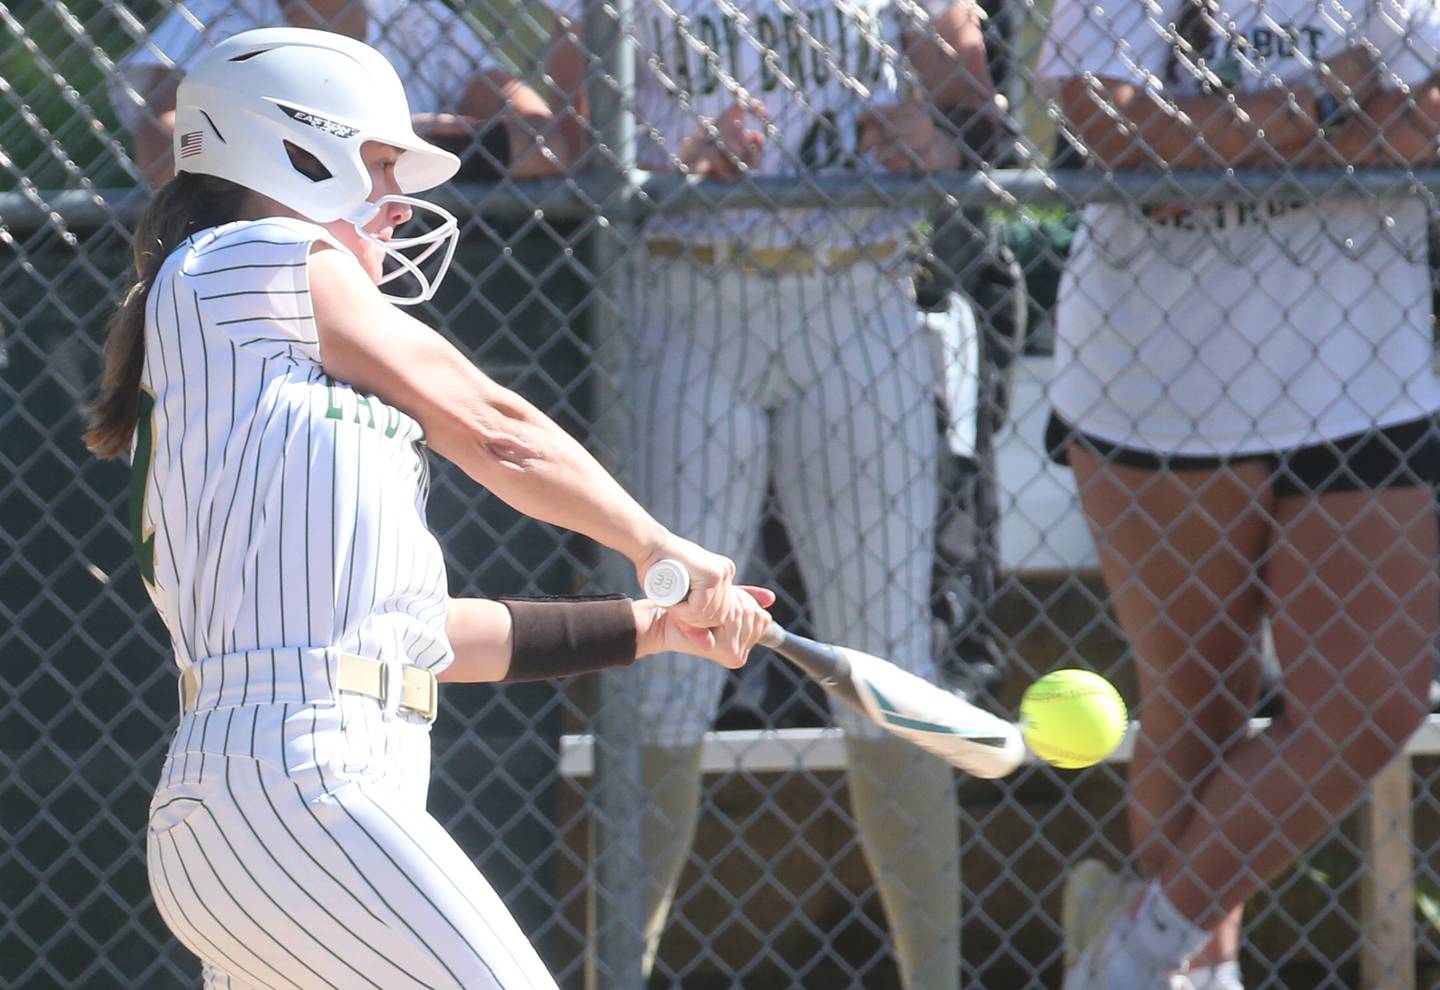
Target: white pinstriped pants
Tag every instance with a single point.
(289, 844)
(824, 382)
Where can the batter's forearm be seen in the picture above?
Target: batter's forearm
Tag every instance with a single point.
(567, 488)
(488, 431)
(533, 465)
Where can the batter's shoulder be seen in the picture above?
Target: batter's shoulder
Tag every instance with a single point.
(250, 242)
(248, 283)
(247, 254)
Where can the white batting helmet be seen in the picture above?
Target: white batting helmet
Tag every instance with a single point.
(253, 97)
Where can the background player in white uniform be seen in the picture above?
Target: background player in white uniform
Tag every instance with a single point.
(455, 85)
(785, 344)
(277, 407)
(1253, 398)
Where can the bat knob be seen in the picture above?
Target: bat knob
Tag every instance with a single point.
(667, 583)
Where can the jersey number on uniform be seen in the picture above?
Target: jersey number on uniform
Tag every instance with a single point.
(140, 486)
(823, 147)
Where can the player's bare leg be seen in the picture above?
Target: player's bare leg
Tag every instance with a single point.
(1353, 599)
(1355, 606)
(1178, 552)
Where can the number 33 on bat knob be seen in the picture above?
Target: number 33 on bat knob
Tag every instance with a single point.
(667, 582)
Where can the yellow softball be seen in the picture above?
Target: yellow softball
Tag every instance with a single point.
(1072, 718)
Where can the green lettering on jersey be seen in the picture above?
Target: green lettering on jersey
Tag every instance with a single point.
(681, 68)
(870, 57)
(732, 45)
(1264, 41)
(143, 536)
(365, 401)
(769, 35)
(388, 421)
(709, 33)
(820, 51)
(794, 51)
(820, 147)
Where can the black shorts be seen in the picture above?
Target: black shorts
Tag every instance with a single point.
(1391, 457)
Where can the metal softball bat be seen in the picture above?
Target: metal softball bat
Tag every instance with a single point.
(938, 721)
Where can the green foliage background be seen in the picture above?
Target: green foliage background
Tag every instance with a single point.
(57, 126)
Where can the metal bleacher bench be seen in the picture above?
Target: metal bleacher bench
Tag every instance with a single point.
(818, 750)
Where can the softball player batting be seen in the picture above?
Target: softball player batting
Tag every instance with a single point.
(277, 407)
(786, 344)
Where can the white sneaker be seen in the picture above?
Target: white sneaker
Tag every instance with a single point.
(1221, 976)
(1092, 894)
(1110, 963)
(1095, 914)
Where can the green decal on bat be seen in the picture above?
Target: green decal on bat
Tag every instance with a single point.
(893, 716)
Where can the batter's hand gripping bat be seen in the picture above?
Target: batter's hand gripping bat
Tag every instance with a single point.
(910, 707)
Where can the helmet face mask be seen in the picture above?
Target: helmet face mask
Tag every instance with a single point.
(444, 238)
(259, 96)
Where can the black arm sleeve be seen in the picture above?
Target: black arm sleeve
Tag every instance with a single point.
(557, 637)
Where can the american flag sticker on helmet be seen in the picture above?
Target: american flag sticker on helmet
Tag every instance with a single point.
(190, 143)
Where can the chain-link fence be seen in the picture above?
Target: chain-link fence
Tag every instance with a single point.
(836, 288)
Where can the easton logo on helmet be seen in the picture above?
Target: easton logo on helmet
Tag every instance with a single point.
(321, 123)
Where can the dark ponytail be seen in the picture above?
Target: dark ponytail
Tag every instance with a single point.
(184, 205)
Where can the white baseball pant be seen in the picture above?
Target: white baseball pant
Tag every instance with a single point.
(824, 381)
(289, 846)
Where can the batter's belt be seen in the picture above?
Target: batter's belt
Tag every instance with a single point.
(357, 675)
(790, 260)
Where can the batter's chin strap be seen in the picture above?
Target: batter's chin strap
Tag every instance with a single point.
(410, 253)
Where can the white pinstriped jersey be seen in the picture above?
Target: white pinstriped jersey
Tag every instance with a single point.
(279, 507)
(816, 65)
(281, 522)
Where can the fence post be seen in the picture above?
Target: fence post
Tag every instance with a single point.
(1387, 881)
(617, 801)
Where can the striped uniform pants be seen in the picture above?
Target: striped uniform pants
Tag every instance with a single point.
(289, 844)
(824, 384)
